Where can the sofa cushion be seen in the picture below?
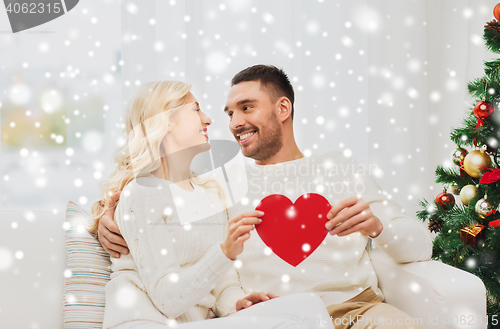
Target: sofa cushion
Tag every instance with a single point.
(88, 269)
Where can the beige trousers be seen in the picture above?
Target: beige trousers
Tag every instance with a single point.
(366, 311)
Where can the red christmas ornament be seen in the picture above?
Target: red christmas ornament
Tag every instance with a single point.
(482, 111)
(496, 12)
(293, 230)
(445, 200)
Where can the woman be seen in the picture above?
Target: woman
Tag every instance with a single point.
(182, 247)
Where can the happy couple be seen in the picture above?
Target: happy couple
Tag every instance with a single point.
(166, 273)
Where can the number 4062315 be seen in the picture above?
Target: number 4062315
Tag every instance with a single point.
(470, 319)
(34, 8)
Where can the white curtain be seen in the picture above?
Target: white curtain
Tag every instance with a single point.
(385, 80)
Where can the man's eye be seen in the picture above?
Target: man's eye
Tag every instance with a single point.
(246, 108)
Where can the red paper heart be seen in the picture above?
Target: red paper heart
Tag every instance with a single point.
(293, 230)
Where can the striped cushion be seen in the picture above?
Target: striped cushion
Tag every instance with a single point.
(88, 270)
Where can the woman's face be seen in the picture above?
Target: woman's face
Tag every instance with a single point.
(189, 126)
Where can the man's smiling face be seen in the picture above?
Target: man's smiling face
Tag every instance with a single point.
(253, 121)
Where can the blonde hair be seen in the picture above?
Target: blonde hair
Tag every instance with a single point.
(141, 154)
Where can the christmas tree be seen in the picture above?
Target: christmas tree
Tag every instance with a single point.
(468, 232)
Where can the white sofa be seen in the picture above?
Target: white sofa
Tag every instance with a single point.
(32, 283)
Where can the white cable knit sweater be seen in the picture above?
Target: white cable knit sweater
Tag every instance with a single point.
(340, 267)
(173, 271)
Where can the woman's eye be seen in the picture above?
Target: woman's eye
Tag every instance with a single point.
(197, 109)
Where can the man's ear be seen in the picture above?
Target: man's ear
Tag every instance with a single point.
(284, 108)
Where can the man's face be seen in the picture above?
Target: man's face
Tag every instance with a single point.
(253, 121)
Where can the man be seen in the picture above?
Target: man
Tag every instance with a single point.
(260, 110)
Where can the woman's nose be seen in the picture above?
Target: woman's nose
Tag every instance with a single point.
(205, 119)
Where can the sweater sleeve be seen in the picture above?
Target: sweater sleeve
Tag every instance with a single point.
(403, 238)
(172, 289)
(227, 292)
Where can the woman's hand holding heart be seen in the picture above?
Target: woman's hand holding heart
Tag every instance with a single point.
(352, 215)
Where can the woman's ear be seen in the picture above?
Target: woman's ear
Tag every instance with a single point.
(171, 123)
(172, 120)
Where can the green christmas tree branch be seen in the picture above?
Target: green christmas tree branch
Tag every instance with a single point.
(492, 69)
(468, 129)
(492, 39)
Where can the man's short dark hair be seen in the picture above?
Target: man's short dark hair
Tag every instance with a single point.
(273, 80)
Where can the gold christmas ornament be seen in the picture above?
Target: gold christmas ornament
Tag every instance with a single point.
(467, 193)
(474, 161)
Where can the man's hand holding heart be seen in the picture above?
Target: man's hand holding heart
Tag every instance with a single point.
(353, 215)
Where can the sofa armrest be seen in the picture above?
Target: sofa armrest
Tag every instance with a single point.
(432, 291)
